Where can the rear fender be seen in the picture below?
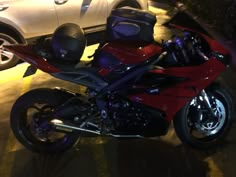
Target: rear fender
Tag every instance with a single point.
(27, 54)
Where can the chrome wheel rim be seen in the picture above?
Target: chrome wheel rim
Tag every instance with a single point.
(207, 126)
(5, 56)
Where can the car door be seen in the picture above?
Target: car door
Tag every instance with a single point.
(86, 13)
(32, 17)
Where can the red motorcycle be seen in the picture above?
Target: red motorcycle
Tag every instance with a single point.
(135, 87)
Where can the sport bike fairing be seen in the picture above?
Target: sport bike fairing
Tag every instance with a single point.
(189, 24)
(172, 97)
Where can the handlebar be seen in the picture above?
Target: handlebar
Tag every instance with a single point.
(184, 47)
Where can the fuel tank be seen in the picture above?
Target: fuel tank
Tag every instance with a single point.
(114, 54)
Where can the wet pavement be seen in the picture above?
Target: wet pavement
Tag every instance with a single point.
(109, 157)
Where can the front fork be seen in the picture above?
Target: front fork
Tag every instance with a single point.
(206, 100)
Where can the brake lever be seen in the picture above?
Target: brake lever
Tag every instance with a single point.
(201, 54)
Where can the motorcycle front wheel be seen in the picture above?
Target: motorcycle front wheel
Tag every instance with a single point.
(196, 126)
(30, 117)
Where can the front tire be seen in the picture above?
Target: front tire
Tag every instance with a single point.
(30, 118)
(195, 125)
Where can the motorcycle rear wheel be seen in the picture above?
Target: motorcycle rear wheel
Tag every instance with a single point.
(196, 128)
(30, 118)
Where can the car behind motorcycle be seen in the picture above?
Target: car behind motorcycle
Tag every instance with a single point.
(135, 87)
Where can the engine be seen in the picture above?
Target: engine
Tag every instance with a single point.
(135, 119)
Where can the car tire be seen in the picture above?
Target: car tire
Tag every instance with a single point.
(7, 59)
(128, 4)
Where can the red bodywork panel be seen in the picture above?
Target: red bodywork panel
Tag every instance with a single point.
(27, 53)
(132, 54)
(169, 100)
(214, 45)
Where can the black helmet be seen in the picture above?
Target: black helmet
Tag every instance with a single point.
(68, 43)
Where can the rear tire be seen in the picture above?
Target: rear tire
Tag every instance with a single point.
(29, 122)
(7, 59)
(197, 128)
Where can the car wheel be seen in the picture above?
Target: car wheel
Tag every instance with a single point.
(7, 59)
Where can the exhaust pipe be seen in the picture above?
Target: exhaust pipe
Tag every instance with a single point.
(68, 128)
